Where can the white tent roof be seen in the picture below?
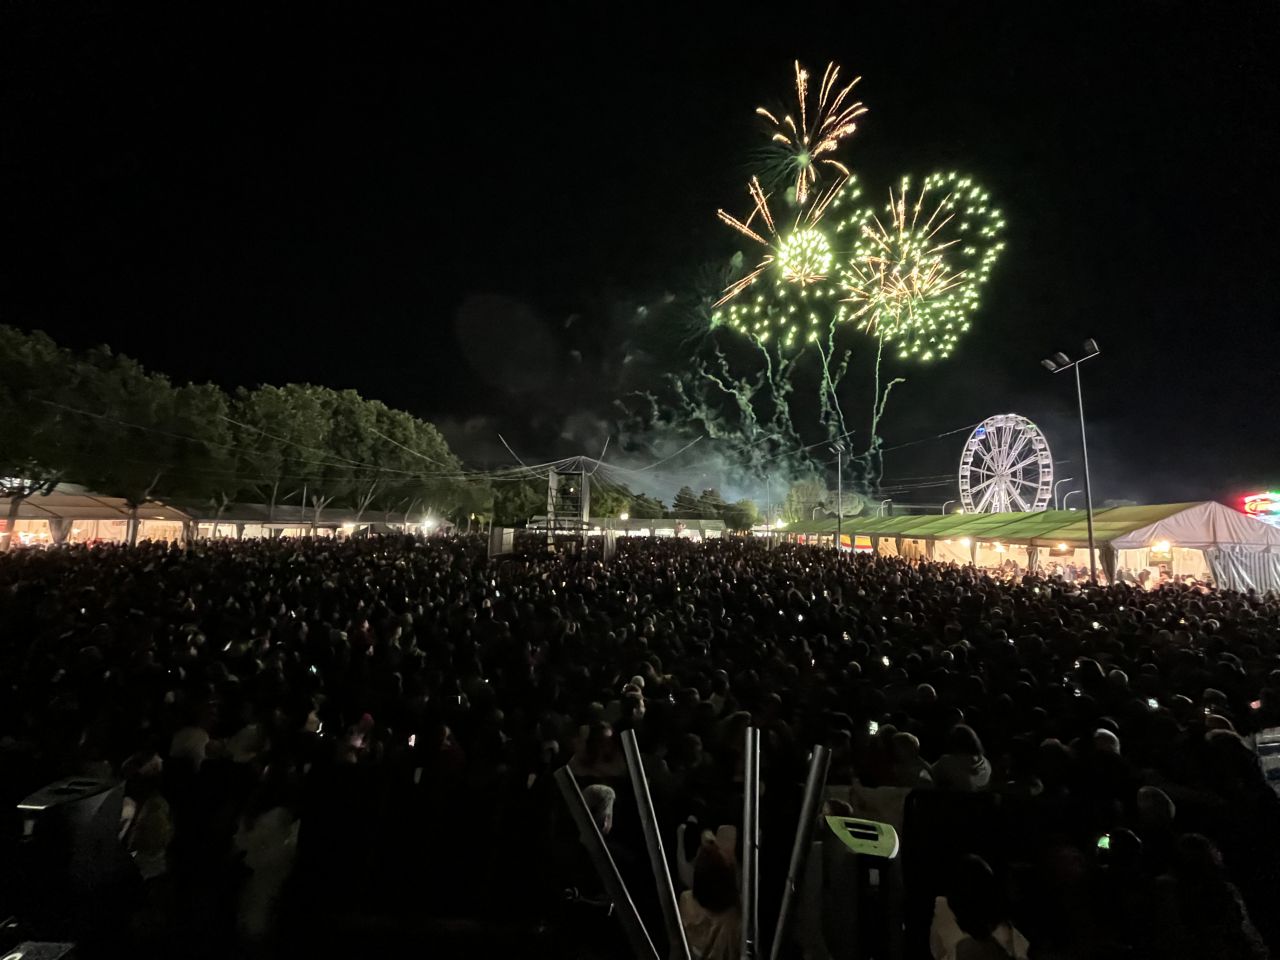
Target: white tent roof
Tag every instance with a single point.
(85, 506)
(1204, 525)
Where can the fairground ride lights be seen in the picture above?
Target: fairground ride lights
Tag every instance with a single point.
(1264, 506)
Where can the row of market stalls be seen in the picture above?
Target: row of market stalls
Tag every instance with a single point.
(663, 528)
(74, 515)
(1204, 539)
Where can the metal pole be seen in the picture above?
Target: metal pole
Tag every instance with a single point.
(839, 495)
(641, 946)
(677, 945)
(945, 505)
(1088, 493)
(813, 787)
(1067, 496)
(768, 516)
(750, 846)
(1058, 483)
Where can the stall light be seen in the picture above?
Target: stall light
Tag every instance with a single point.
(348, 527)
(965, 542)
(1062, 547)
(624, 516)
(779, 524)
(999, 548)
(1161, 547)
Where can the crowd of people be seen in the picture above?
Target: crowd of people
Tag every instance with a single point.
(330, 744)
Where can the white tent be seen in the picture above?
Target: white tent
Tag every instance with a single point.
(1242, 551)
(71, 514)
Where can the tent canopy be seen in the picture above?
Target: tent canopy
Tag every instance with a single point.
(61, 505)
(1198, 525)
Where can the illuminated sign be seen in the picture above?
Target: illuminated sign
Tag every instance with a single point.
(1264, 506)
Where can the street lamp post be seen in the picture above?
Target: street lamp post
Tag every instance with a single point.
(883, 512)
(1056, 364)
(1055, 490)
(945, 505)
(1067, 496)
(839, 449)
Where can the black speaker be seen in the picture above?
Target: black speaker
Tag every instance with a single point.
(72, 865)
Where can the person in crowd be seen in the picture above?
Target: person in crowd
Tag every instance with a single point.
(599, 756)
(971, 922)
(963, 766)
(1201, 912)
(710, 911)
(908, 768)
(267, 837)
(599, 799)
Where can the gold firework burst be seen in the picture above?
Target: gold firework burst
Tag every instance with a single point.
(803, 253)
(810, 143)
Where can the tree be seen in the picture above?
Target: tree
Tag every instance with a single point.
(415, 467)
(610, 502)
(40, 437)
(272, 427)
(710, 504)
(476, 497)
(349, 442)
(687, 505)
(515, 501)
(742, 515)
(150, 437)
(803, 498)
(645, 507)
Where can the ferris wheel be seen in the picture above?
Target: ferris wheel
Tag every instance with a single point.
(1006, 467)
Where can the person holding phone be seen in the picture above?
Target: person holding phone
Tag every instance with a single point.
(971, 922)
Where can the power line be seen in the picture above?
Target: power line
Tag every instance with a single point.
(672, 457)
(937, 436)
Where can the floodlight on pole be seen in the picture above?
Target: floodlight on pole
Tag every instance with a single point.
(1056, 364)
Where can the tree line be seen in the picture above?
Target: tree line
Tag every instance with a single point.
(101, 420)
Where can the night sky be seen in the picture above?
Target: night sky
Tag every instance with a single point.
(431, 206)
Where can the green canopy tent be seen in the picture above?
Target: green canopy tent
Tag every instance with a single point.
(1238, 550)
